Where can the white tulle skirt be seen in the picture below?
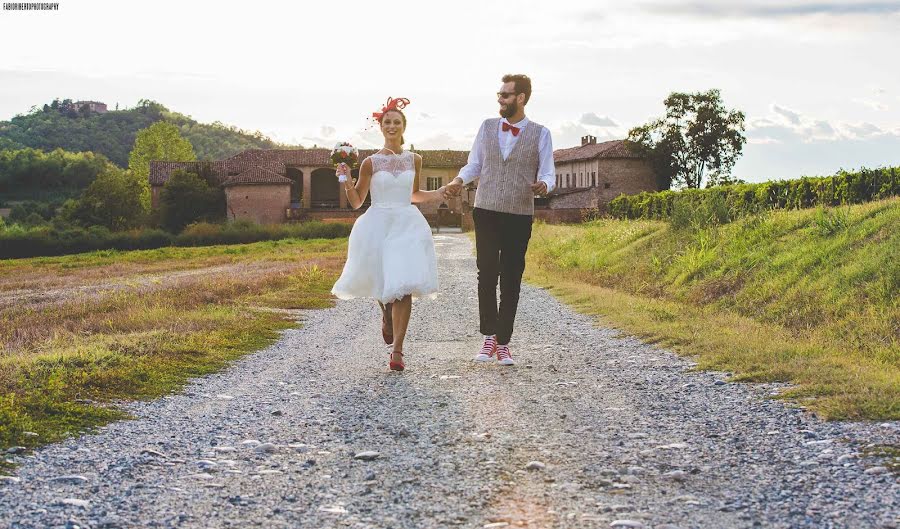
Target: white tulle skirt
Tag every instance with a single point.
(390, 254)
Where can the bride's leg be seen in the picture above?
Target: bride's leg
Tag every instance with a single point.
(402, 308)
(389, 314)
(387, 325)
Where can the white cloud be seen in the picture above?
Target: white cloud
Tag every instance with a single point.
(569, 134)
(764, 140)
(874, 105)
(791, 116)
(445, 141)
(788, 144)
(862, 130)
(593, 119)
(788, 126)
(775, 9)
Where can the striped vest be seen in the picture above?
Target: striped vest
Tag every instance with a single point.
(505, 185)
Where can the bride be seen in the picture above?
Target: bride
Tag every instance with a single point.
(390, 255)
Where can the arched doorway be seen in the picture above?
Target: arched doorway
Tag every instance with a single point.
(325, 189)
(296, 177)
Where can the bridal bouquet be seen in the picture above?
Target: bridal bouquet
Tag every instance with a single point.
(344, 153)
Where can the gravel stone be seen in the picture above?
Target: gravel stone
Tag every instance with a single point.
(595, 405)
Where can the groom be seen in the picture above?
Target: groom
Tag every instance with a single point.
(513, 159)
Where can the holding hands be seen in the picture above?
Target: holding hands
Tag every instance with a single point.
(453, 188)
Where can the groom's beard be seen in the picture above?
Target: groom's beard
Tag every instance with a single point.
(510, 110)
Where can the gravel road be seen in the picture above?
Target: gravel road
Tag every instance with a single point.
(592, 429)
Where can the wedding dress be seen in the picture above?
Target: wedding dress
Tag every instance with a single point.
(390, 253)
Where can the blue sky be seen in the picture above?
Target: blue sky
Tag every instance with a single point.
(817, 80)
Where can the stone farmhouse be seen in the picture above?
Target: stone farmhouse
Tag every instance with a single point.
(283, 185)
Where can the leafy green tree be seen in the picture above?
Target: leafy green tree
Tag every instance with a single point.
(698, 135)
(113, 133)
(114, 200)
(160, 141)
(188, 197)
(32, 172)
(27, 210)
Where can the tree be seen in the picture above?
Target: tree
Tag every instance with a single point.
(698, 135)
(188, 197)
(160, 141)
(113, 200)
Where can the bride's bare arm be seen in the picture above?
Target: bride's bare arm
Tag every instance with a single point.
(419, 196)
(357, 194)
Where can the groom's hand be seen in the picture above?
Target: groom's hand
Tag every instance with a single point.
(454, 187)
(539, 188)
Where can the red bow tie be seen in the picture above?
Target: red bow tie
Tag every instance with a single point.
(509, 128)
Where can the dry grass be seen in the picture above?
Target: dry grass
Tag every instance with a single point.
(138, 324)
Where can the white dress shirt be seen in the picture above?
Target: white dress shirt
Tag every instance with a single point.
(546, 169)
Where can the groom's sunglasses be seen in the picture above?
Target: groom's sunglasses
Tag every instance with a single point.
(504, 95)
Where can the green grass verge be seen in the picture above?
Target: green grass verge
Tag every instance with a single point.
(807, 297)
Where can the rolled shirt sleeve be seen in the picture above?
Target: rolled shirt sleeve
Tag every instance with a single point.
(546, 167)
(472, 169)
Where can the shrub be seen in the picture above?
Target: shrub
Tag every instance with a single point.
(18, 241)
(726, 203)
(188, 198)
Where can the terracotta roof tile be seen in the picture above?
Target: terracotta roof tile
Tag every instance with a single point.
(256, 176)
(161, 171)
(606, 149)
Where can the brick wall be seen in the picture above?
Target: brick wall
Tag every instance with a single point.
(627, 176)
(560, 216)
(264, 204)
(591, 197)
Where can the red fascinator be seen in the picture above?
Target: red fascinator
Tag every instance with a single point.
(392, 104)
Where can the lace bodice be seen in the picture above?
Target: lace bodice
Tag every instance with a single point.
(392, 179)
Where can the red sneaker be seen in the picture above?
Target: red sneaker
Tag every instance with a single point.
(504, 357)
(487, 350)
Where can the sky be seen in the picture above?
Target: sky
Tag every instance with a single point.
(817, 80)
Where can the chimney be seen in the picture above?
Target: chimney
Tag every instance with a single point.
(588, 140)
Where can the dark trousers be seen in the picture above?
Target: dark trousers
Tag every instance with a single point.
(501, 240)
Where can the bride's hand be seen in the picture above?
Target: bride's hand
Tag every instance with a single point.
(342, 169)
(444, 193)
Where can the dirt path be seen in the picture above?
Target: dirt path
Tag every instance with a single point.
(591, 429)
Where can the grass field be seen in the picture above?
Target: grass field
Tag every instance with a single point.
(82, 330)
(808, 297)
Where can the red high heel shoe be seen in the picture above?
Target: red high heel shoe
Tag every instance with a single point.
(396, 366)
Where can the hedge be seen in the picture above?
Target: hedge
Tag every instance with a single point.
(843, 188)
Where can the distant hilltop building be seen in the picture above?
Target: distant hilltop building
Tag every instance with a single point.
(280, 185)
(93, 106)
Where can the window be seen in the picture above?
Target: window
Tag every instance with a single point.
(433, 183)
(593, 179)
(568, 180)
